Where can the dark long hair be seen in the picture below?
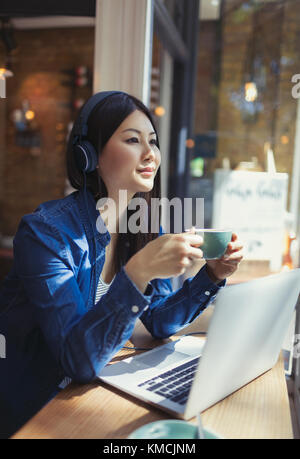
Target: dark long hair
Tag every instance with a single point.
(103, 121)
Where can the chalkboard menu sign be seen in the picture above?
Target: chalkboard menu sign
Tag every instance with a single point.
(253, 204)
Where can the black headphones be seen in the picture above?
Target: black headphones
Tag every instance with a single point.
(85, 154)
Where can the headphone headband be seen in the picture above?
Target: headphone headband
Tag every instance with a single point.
(81, 127)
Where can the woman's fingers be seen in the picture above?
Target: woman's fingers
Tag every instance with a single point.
(234, 247)
(234, 237)
(193, 239)
(195, 253)
(232, 259)
(232, 256)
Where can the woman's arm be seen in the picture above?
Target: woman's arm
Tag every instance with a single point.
(82, 341)
(172, 254)
(171, 311)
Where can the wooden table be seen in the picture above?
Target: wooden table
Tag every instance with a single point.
(258, 410)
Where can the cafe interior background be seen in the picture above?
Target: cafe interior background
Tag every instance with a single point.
(223, 91)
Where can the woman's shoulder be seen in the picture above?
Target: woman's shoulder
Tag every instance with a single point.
(55, 207)
(55, 215)
(54, 225)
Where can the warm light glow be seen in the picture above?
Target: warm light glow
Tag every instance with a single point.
(250, 92)
(5, 72)
(159, 111)
(29, 115)
(284, 139)
(190, 143)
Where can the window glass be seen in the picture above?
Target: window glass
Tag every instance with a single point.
(245, 161)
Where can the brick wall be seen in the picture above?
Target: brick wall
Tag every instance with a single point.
(206, 90)
(29, 176)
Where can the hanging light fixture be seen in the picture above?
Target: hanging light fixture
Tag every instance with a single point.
(254, 80)
(250, 91)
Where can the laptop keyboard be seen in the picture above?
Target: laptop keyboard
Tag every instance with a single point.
(174, 384)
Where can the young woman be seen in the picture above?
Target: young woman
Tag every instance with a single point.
(75, 292)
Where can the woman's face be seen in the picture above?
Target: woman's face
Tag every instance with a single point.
(130, 159)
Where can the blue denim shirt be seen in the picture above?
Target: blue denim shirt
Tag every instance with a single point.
(51, 325)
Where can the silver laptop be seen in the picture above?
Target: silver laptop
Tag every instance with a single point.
(244, 340)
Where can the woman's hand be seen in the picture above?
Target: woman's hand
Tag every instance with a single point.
(167, 256)
(228, 263)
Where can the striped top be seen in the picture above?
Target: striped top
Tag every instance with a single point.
(101, 290)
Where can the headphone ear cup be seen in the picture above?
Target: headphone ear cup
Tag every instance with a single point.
(85, 156)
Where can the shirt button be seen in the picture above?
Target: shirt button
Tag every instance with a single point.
(207, 293)
(135, 309)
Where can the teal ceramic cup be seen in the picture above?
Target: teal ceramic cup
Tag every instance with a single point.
(214, 242)
(170, 429)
